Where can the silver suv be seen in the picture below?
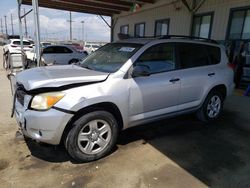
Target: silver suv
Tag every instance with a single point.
(123, 84)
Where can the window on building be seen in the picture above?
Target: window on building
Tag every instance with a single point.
(202, 25)
(124, 29)
(140, 30)
(239, 24)
(161, 27)
(159, 58)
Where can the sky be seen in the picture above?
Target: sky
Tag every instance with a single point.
(53, 23)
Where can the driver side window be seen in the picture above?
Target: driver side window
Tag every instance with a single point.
(158, 58)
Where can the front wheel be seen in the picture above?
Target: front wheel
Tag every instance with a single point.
(92, 137)
(211, 108)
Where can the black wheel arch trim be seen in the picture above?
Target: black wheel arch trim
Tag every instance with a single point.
(94, 107)
(64, 110)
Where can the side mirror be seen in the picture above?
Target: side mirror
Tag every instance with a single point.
(140, 71)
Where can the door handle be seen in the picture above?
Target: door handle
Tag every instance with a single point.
(174, 80)
(211, 74)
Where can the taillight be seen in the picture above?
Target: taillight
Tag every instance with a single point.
(14, 46)
(231, 65)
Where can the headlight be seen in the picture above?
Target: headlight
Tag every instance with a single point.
(45, 101)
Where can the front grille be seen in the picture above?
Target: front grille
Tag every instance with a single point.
(20, 96)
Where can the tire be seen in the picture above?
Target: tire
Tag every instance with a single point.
(73, 61)
(86, 53)
(98, 127)
(215, 101)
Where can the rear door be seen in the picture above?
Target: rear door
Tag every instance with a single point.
(49, 55)
(196, 73)
(63, 55)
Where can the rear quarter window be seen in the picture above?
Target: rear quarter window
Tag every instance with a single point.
(214, 54)
(192, 55)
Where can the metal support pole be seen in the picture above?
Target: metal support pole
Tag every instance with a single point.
(37, 30)
(70, 26)
(1, 25)
(12, 28)
(112, 30)
(82, 22)
(25, 24)
(20, 27)
(6, 28)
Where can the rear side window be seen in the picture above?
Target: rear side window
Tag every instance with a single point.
(214, 54)
(192, 55)
(62, 50)
(49, 50)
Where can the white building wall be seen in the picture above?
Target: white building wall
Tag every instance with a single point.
(221, 10)
(180, 17)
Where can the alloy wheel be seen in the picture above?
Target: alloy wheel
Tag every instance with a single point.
(94, 136)
(214, 106)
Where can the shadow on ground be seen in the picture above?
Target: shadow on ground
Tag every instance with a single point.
(202, 150)
(215, 153)
(46, 152)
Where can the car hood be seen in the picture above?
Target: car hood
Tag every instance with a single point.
(58, 76)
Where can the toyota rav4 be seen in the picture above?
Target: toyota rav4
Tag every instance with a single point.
(123, 84)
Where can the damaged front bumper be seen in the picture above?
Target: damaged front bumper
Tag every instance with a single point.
(43, 126)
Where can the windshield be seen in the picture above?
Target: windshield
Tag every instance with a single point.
(110, 57)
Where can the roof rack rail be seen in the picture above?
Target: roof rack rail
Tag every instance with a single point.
(189, 37)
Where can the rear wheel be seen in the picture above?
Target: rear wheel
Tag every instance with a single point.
(211, 108)
(73, 61)
(92, 137)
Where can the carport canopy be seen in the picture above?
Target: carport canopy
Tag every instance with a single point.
(99, 7)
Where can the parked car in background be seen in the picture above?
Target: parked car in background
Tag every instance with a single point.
(121, 85)
(45, 44)
(31, 42)
(91, 47)
(14, 46)
(61, 55)
(78, 48)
